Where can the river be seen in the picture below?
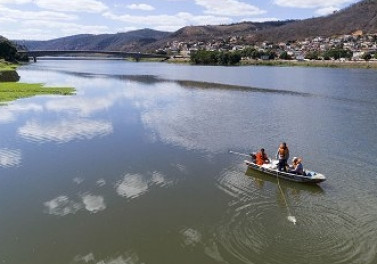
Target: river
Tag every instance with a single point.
(135, 168)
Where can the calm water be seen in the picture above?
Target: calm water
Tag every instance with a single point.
(135, 168)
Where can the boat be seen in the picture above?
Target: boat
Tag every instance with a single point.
(272, 169)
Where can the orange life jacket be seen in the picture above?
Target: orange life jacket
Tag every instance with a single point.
(260, 158)
(282, 152)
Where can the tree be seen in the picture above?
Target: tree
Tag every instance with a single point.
(215, 57)
(7, 50)
(284, 56)
(312, 55)
(234, 58)
(366, 56)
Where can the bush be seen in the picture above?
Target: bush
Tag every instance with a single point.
(215, 57)
(366, 56)
(284, 56)
(7, 50)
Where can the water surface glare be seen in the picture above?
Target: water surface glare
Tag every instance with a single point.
(135, 168)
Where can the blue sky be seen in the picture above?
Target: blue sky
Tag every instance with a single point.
(48, 19)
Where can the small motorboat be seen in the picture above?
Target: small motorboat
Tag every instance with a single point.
(272, 169)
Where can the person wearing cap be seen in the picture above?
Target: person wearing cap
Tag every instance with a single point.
(297, 167)
(261, 157)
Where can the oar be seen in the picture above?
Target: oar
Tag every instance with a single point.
(239, 153)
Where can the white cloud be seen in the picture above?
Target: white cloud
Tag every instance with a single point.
(326, 10)
(7, 13)
(169, 22)
(90, 6)
(65, 130)
(229, 8)
(260, 19)
(17, 2)
(143, 7)
(312, 3)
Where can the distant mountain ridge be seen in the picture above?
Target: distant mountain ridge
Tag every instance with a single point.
(361, 16)
(129, 41)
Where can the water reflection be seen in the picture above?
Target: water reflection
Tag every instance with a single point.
(126, 258)
(9, 76)
(256, 222)
(9, 113)
(132, 186)
(63, 205)
(93, 203)
(65, 130)
(191, 237)
(135, 185)
(10, 157)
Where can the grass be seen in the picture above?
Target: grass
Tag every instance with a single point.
(7, 66)
(10, 91)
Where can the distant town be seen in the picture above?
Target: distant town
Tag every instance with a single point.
(354, 47)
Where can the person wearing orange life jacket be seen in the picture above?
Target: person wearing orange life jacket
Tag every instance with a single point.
(283, 156)
(261, 157)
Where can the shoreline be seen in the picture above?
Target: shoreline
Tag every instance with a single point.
(11, 89)
(294, 63)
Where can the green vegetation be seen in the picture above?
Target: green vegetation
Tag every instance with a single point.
(215, 57)
(366, 56)
(7, 66)
(337, 54)
(313, 63)
(10, 91)
(8, 51)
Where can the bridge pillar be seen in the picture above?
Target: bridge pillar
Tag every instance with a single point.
(35, 59)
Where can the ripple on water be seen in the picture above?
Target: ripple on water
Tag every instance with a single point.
(65, 130)
(255, 229)
(10, 157)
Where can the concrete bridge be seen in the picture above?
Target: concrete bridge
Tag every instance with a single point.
(120, 54)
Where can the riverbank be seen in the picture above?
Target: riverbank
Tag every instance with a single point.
(313, 63)
(11, 90)
(295, 63)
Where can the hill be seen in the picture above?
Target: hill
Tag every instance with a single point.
(129, 41)
(361, 16)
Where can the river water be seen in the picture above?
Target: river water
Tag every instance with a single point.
(135, 168)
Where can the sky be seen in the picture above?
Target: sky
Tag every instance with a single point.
(49, 19)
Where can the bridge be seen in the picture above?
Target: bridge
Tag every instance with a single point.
(120, 54)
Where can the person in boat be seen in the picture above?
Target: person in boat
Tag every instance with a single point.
(261, 157)
(297, 167)
(282, 155)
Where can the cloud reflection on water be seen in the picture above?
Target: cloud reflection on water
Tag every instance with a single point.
(135, 185)
(9, 113)
(126, 258)
(9, 157)
(63, 205)
(65, 130)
